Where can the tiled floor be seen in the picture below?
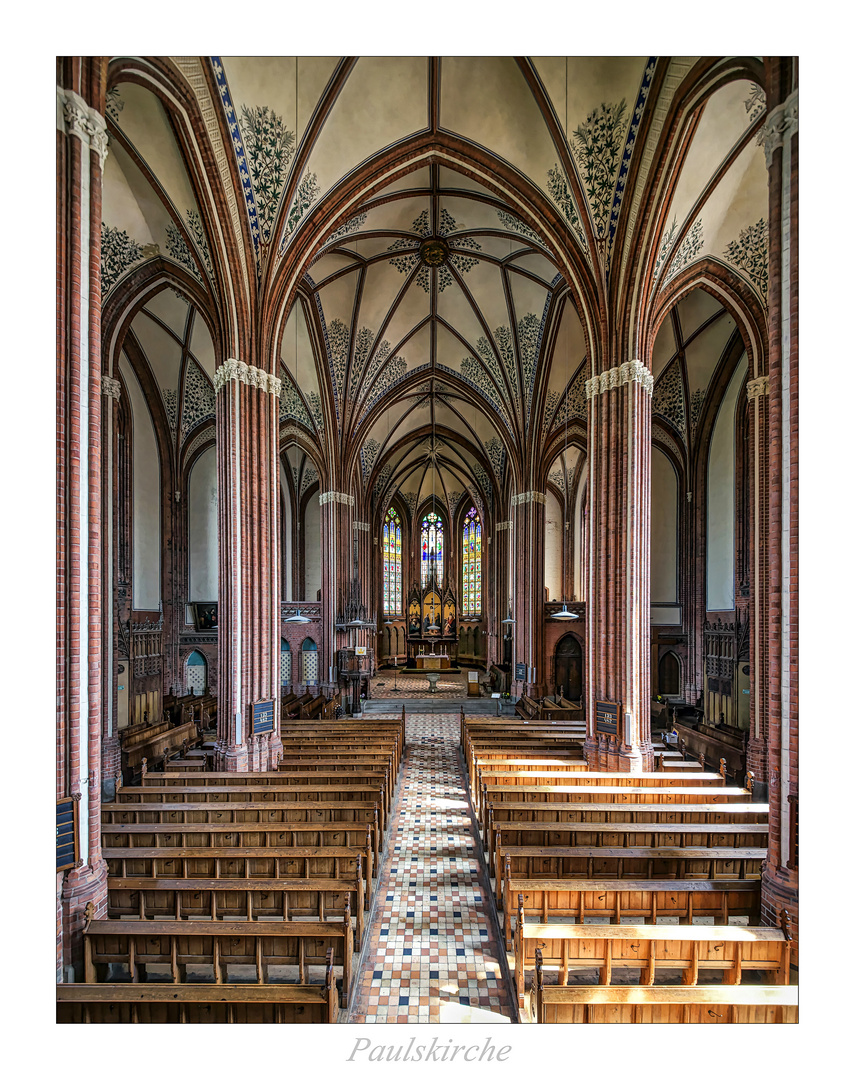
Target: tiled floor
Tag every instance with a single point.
(432, 954)
(451, 687)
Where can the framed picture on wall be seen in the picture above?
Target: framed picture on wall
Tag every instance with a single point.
(205, 616)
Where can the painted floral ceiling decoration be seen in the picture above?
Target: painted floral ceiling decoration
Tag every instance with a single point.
(484, 340)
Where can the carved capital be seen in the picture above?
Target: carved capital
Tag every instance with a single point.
(758, 387)
(528, 497)
(336, 497)
(82, 121)
(631, 371)
(111, 387)
(502, 525)
(237, 371)
(781, 124)
(361, 526)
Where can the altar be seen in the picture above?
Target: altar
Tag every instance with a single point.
(433, 662)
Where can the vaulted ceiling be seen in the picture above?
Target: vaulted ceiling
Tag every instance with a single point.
(443, 321)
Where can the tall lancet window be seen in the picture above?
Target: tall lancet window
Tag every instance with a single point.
(431, 548)
(472, 564)
(392, 590)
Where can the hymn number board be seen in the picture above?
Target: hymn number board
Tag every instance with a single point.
(606, 717)
(262, 717)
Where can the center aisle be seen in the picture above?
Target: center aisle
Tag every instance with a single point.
(432, 954)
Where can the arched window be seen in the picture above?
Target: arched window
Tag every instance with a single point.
(392, 590)
(472, 564)
(431, 548)
(197, 673)
(285, 664)
(309, 651)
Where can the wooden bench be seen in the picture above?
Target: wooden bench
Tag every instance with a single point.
(694, 951)
(490, 779)
(329, 792)
(346, 774)
(333, 863)
(627, 836)
(212, 838)
(218, 945)
(625, 898)
(153, 747)
(306, 815)
(650, 863)
(199, 1003)
(526, 707)
(225, 898)
(303, 743)
(547, 816)
(661, 1004)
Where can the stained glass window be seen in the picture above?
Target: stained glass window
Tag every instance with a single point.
(472, 563)
(392, 589)
(431, 548)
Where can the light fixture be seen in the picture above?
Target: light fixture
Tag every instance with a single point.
(564, 613)
(297, 618)
(508, 621)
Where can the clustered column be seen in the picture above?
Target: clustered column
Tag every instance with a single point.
(249, 609)
(617, 657)
(779, 888)
(81, 151)
(337, 534)
(758, 749)
(528, 513)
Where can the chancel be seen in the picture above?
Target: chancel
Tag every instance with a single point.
(427, 501)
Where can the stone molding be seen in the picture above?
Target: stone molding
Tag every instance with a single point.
(111, 387)
(82, 121)
(758, 387)
(528, 497)
(336, 497)
(238, 371)
(781, 124)
(361, 526)
(502, 525)
(631, 371)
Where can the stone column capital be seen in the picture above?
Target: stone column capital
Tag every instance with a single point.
(758, 387)
(111, 387)
(237, 371)
(631, 371)
(75, 117)
(525, 497)
(781, 124)
(336, 497)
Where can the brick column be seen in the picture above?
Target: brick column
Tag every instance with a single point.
(758, 434)
(617, 647)
(500, 552)
(248, 511)
(528, 513)
(337, 538)
(81, 150)
(779, 888)
(110, 745)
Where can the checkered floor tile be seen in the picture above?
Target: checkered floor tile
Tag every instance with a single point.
(432, 953)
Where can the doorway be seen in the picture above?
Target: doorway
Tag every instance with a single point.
(568, 667)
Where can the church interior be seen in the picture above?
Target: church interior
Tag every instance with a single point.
(427, 540)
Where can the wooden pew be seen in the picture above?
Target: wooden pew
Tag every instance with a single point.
(314, 708)
(526, 708)
(346, 773)
(224, 898)
(694, 951)
(199, 1003)
(342, 792)
(151, 748)
(542, 837)
(624, 898)
(661, 1004)
(554, 815)
(218, 945)
(295, 706)
(212, 839)
(240, 815)
(332, 863)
